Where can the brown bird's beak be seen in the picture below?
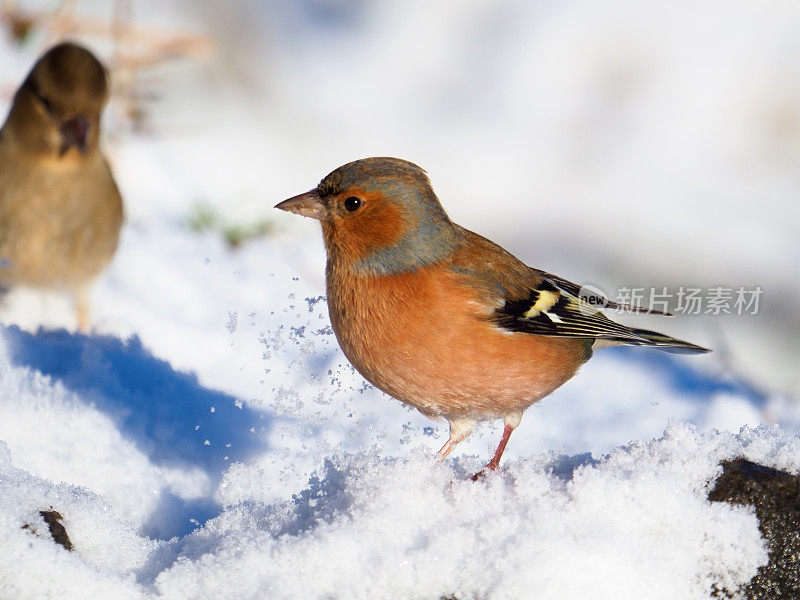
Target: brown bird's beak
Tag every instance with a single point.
(75, 133)
(305, 205)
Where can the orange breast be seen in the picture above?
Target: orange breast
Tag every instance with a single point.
(425, 338)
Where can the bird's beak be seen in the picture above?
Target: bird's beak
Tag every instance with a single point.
(305, 205)
(75, 133)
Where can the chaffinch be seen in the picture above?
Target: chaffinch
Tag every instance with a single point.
(441, 318)
(60, 210)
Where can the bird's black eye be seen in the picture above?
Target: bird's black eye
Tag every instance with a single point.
(352, 204)
(45, 102)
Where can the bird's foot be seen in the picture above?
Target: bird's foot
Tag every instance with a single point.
(482, 473)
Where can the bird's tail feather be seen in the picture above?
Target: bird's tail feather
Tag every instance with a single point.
(666, 343)
(652, 339)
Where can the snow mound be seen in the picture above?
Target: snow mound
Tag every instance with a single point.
(635, 523)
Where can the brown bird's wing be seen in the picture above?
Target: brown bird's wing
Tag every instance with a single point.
(532, 301)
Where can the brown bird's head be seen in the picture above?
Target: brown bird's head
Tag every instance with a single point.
(56, 110)
(379, 215)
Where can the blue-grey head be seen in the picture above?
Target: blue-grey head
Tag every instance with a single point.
(379, 216)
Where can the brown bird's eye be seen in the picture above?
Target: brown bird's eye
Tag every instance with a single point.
(352, 204)
(45, 102)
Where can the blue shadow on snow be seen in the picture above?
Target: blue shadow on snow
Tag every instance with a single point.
(169, 415)
(682, 376)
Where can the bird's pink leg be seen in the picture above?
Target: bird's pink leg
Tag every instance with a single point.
(496, 458)
(440, 456)
(459, 430)
(500, 448)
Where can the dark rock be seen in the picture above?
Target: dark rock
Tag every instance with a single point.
(57, 530)
(776, 497)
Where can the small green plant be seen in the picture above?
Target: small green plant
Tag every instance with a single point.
(236, 235)
(204, 217)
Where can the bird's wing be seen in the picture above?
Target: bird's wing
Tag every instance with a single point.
(598, 299)
(551, 310)
(532, 301)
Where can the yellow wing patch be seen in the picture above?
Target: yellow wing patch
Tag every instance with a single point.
(544, 302)
(549, 310)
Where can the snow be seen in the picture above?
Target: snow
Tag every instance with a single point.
(209, 439)
(634, 520)
(32, 566)
(555, 525)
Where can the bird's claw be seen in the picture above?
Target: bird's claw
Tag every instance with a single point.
(482, 473)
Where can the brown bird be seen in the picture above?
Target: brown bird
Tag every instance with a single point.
(442, 318)
(60, 209)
